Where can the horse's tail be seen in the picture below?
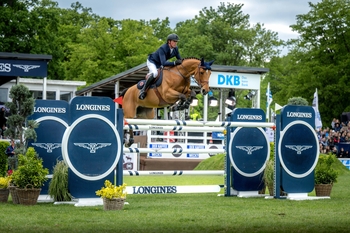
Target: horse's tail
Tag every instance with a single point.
(123, 92)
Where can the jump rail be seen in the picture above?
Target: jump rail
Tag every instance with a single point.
(174, 173)
(171, 150)
(197, 123)
(174, 128)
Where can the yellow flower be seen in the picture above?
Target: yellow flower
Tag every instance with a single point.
(4, 182)
(111, 191)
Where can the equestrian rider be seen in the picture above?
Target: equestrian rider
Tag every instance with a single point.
(160, 59)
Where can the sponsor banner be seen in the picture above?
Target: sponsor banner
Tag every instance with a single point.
(172, 189)
(23, 68)
(83, 105)
(130, 160)
(345, 162)
(233, 80)
(291, 113)
(179, 147)
(52, 116)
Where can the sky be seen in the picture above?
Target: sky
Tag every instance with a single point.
(276, 15)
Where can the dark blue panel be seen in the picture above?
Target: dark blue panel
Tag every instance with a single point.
(298, 149)
(248, 150)
(23, 68)
(52, 108)
(83, 105)
(92, 147)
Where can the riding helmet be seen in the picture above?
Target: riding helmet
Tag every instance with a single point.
(173, 37)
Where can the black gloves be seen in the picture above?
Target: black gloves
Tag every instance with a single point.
(178, 62)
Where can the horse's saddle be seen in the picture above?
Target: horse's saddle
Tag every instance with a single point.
(156, 82)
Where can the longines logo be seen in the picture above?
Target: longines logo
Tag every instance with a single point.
(249, 149)
(49, 147)
(26, 68)
(5, 67)
(298, 148)
(93, 147)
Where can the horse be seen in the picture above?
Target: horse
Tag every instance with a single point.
(173, 91)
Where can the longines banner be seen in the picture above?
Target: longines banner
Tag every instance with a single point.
(298, 149)
(85, 135)
(248, 150)
(23, 68)
(52, 116)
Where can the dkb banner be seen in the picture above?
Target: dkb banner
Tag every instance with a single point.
(52, 116)
(298, 149)
(248, 150)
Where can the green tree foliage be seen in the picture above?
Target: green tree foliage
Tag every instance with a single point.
(225, 35)
(300, 101)
(319, 58)
(21, 106)
(102, 50)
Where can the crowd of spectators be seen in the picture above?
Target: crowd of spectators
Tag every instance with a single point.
(335, 140)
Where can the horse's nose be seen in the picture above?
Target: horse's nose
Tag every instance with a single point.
(204, 92)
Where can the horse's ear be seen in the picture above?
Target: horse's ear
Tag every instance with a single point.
(202, 62)
(211, 62)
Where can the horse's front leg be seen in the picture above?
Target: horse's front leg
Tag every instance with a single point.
(188, 100)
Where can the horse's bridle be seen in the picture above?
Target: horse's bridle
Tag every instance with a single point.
(202, 83)
(188, 79)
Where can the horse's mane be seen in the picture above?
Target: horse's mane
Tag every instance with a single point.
(191, 58)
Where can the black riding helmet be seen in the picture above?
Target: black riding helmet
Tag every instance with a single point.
(173, 37)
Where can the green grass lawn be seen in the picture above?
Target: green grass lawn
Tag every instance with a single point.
(187, 212)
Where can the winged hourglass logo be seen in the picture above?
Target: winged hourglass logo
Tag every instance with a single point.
(249, 149)
(26, 68)
(298, 148)
(92, 146)
(49, 147)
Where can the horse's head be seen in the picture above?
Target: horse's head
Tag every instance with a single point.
(202, 75)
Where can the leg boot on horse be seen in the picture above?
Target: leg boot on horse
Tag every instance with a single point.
(143, 91)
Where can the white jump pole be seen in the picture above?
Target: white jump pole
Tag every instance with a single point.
(171, 150)
(174, 173)
(197, 123)
(174, 128)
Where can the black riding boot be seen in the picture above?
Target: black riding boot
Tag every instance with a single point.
(143, 91)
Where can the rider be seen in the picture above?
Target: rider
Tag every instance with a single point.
(159, 59)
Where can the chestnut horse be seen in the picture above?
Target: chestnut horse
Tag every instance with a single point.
(175, 87)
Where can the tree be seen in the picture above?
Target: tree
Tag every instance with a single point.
(226, 36)
(102, 50)
(300, 101)
(320, 57)
(21, 106)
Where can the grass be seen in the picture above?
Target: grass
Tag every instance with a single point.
(187, 212)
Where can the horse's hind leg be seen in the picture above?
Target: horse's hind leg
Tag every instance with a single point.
(128, 137)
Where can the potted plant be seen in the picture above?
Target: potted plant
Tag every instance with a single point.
(268, 176)
(29, 177)
(4, 191)
(113, 196)
(325, 175)
(58, 187)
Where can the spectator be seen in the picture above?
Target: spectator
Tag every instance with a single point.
(11, 156)
(337, 127)
(330, 142)
(341, 153)
(333, 123)
(324, 145)
(342, 137)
